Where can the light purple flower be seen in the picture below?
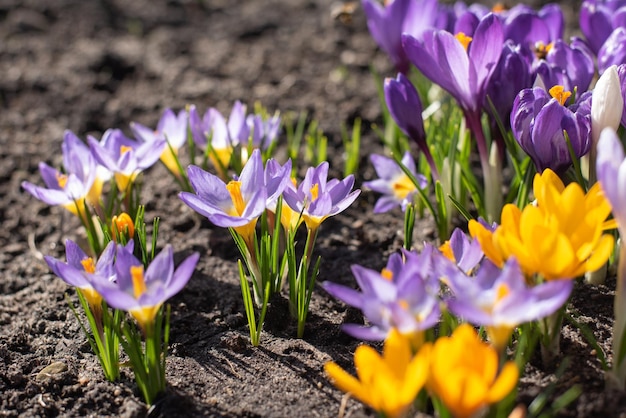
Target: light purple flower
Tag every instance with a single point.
(500, 300)
(143, 293)
(125, 157)
(237, 204)
(402, 296)
(443, 59)
(388, 22)
(263, 132)
(81, 271)
(570, 66)
(172, 128)
(393, 183)
(613, 51)
(76, 184)
(538, 122)
(611, 171)
(621, 71)
(318, 198)
(466, 253)
(599, 18)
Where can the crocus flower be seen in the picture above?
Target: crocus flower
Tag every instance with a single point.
(405, 108)
(142, 293)
(388, 22)
(125, 157)
(570, 66)
(388, 383)
(402, 296)
(598, 19)
(466, 253)
(396, 187)
(613, 52)
(500, 300)
(318, 198)
(263, 132)
(460, 65)
(81, 271)
(172, 128)
(237, 204)
(559, 238)
(464, 373)
(538, 120)
(611, 170)
(621, 71)
(73, 187)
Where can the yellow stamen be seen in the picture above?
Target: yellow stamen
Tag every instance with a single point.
(234, 188)
(464, 39)
(139, 284)
(403, 304)
(387, 274)
(542, 50)
(560, 94)
(498, 8)
(61, 180)
(446, 250)
(402, 186)
(89, 265)
(124, 149)
(315, 190)
(502, 292)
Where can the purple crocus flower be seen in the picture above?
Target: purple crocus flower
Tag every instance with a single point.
(613, 51)
(621, 71)
(527, 27)
(81, 271)
(396, 187)
(538, 121)
(125, 157)
(263, 132)
(500, 300)
(402, 296)
(466, 253)
(570, 66)
(71, 188)
(143, 293)
(318, 198)
(237, 204)
(172, 128)
(388, 22)
(461, 66)
(599, 18)
(512, 74)
(405, 107)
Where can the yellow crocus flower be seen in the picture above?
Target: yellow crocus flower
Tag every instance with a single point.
(388, 383)
(559, 237)
(464, 373)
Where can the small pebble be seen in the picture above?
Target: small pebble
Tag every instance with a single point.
(51, 370)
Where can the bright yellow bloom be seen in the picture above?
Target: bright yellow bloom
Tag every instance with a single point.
(388, 383)
(464, 373)
(122, 225)
(559, 237)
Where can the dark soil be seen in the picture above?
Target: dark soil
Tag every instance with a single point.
(92, 65)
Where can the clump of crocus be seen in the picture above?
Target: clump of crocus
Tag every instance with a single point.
(76, 185)
(396, 187)
(388, 383)
(559, 237)
(570, 66)
(173, 128)
(403, 296)
(539, 120)
(464, 373)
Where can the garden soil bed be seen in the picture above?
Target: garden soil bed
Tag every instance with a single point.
(93, 65)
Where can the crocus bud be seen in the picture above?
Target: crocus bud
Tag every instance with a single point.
(405, 107)
(607, 103)
(122, 226)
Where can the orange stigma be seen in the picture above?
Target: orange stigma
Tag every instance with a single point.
(315, 190)
(463, 39)
(542, 50)
(61, 180)
(89, 265)
(124, 149)
(234, 188)
(560, 94)
(139, 283)
(387, 274)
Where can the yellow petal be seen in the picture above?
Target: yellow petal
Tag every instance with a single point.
(504, 384)
(345, 382)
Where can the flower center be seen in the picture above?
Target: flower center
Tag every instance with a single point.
(498, 8)
(560, 94)
(446, 250)
(315, 191)
(541, 49)
(502, 292)
(387, 274)
(139, 283)
(402, 186)
(61, 180)
(124, 149)
(234, 188)
(89, 265)
(464, 39)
